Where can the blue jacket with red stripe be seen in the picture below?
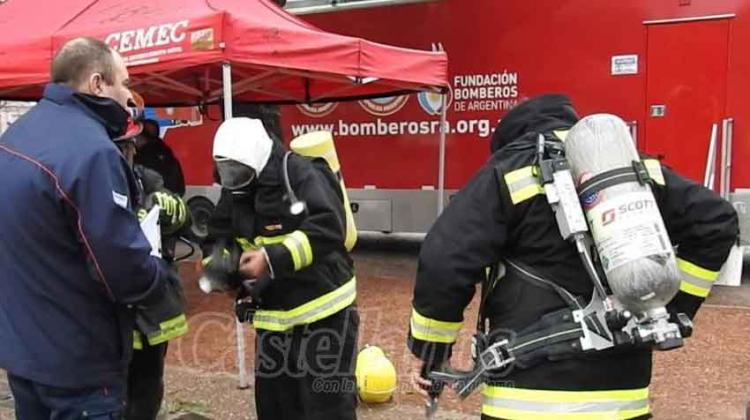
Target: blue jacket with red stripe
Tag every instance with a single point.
(72, 255)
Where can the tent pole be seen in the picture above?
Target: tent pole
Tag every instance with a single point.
(226, 79)
(441, 162)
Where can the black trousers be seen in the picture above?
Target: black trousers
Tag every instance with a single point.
(145, 382)
(307, 373)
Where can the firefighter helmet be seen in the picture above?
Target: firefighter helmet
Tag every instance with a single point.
(376, 376)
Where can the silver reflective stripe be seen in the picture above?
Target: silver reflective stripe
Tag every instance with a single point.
(695, 281)
(349, 291)
(419, 330)
(522, 183)
(299, 248)
(559, 407)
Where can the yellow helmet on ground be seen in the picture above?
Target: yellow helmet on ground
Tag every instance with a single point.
(376, 376)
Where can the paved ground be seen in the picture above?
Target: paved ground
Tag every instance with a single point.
(708, 378)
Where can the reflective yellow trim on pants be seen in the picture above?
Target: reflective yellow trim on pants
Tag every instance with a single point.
(312, 311)
(428, 329)
(169, 329)
(137, 343)
(694, 279)
(523, 404)
(653, 167)
(523, 184)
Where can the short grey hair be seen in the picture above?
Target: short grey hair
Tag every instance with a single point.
(79, 58)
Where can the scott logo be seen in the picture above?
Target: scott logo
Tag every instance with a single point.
(611, 215)
(635, 206)
(608, 217)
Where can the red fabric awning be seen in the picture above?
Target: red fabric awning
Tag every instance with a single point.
(175, 48)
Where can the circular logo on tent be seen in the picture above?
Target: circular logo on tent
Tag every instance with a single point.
(431, 102)
(384, 106)
(317, 110)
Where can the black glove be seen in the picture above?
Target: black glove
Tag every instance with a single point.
(220, 269)
(250, 297)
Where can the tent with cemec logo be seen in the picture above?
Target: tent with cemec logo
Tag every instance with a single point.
(185, 52)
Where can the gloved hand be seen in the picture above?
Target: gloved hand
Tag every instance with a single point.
(250, 297)
(172, 211)
(220, 269)
(141, 214)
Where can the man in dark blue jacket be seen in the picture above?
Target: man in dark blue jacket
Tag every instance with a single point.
(74, 259)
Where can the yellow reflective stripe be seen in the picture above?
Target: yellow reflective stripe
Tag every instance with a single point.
(696, 271)
(299, 247)
(245, 244)
(261, 241)
(653, 167)
(296, 242)
(523, 184)
(561, 134)
(206, 261)
(526, 193)
(314, 310)
(137, 343)
(514, 403)
(563, 396)
(695, 280)
(694, 290)
(508, 414)
(428, 329)
(169, 329)
(519, 174)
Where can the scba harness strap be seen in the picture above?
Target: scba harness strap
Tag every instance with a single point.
(556, 335)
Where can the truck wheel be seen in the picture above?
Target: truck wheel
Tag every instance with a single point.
(201, 210)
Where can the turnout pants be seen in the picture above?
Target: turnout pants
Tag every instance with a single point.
(307, 373)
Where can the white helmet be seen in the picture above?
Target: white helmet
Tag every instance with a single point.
(244, 140)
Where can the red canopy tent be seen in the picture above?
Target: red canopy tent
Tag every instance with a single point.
(25, 47)
(174, 49)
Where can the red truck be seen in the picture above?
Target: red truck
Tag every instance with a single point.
(672, 69)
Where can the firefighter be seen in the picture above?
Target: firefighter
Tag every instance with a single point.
(286, 211)
(164, 321)
(502, 214)
(155, 154)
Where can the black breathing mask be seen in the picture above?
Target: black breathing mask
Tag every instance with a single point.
(234, 175)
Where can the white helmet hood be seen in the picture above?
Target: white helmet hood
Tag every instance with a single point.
(244, 140)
